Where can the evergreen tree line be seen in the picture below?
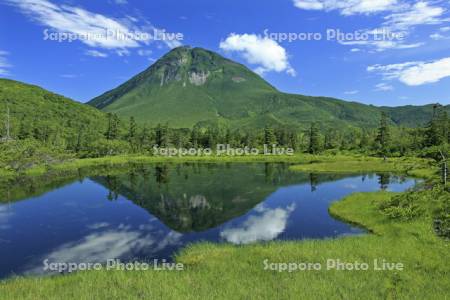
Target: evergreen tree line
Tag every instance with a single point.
(126, 136)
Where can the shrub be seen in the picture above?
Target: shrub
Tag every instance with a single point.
(104, 147)
(403, 207)
(23, 154)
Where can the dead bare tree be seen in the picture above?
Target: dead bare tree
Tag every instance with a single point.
(444, 168)
(7, 125)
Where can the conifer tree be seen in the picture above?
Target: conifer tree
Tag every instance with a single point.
(269, 137)
(314, 139)
(112, 132)
(162, 136)
(384, 136)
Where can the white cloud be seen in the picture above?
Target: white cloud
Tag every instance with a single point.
(383, 87)
(267, 54)
(348, 7)
(6, 213)
(65, 18)
(400, 16)
(309, 4)
(390, 70)
(103, 32)
(98, 247)
(355, 50)
(4, 65)
(381, 39)
(95, 53)
(99, 225)
(438, 37)
(69, 76)
(121, 2)
(445, 29)
(403, 14)
(421, 13)
(381, 45)
(142, 52)
(162, 35)
(123, 52)
(415, 73)
(354, 92)
(264, 227)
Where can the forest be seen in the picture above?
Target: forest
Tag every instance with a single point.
(25, 144)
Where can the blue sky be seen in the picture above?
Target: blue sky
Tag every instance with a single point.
(408, 64)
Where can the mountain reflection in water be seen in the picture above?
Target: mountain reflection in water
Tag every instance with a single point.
(143, 212)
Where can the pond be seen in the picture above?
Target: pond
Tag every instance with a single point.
(147, 212)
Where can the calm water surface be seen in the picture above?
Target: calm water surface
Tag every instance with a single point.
(152, 211)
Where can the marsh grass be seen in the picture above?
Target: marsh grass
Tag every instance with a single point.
(412, 166)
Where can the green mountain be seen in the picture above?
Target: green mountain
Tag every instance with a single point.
(36, 112)
(190, 86)
(411, 116)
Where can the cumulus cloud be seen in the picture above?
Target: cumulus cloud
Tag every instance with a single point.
(348, 7)
(103, 32)
(263, 52)
(415, 73)
(263, 227)
(4, 65)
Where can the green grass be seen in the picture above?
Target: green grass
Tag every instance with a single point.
(237, 272)
(307, 162)
(76, 164)
(413, 166)
(6, 173)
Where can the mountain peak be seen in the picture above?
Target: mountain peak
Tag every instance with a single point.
(182, 71)
(193, 65)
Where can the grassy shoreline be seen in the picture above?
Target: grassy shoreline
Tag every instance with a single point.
(303, 162)
(42, 178)
(236, 272)
(413, 167)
